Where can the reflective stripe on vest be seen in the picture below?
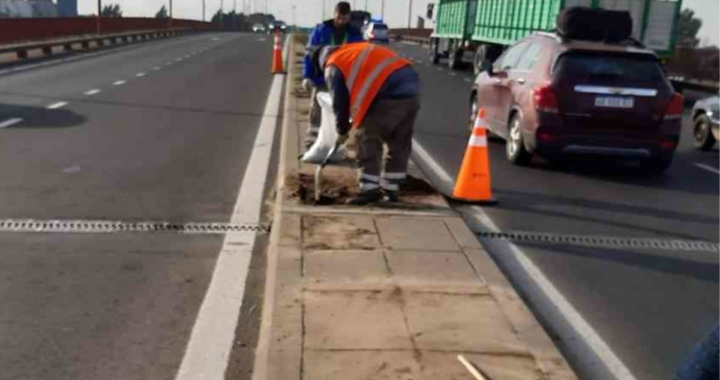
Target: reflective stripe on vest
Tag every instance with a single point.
(360, 97)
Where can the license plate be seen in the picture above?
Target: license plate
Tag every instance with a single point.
(614, 102)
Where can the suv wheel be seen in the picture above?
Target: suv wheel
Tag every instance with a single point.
(702, 136)
(515, 146)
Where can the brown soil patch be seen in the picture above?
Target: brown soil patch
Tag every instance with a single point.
(341, 184)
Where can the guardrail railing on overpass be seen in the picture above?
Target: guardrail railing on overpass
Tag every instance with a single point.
(23, 35)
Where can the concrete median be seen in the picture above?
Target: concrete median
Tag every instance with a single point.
(385, 292)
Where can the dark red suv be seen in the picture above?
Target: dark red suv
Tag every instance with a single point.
(558, 98)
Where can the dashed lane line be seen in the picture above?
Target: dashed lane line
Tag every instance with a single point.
(119, 83)
(453, 74)
(708, 168)
(10, 122)
(57, 105)
(156, 68)
(140, 75)
(468, 80)
(92, 92)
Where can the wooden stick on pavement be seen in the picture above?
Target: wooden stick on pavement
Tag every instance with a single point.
(471, 368)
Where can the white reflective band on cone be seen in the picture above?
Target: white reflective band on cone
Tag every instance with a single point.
(478, 141)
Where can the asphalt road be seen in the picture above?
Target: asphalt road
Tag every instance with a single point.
(161, 131)
(649, 306)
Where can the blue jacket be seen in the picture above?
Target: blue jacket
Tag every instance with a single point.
(322, 36)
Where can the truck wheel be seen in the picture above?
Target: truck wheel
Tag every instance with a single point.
(434, 53)
(515, 146)
(455, 59)
(703, 138)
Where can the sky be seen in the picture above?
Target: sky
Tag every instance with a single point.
(309, 12)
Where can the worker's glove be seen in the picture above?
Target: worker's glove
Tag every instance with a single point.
(307, 84)
(342, 139)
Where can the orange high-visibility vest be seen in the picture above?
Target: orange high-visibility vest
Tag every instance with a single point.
(366, 67)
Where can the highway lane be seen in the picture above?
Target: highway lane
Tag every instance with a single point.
(649, 306)
(169, 145)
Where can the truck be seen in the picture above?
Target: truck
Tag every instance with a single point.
(480, 30)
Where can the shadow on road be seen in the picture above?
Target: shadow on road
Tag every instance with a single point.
(703, 271)
(40, 117)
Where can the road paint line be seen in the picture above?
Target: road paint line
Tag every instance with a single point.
(468, 80)
(92, 92)
(57, 105)
(439, 69)
(119, 83)
(140, 75)
(583, 340)
(179, 60)
(10, 122)
(208, 350)
(453, 74)
(708, 168)
(156, 68)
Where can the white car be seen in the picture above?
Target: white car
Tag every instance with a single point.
(377, 32)
(259, 28)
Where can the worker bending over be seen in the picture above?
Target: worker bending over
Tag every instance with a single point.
(377, 92)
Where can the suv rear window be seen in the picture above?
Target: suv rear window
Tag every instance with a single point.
(608, 67)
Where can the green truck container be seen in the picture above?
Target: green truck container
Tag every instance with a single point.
(484, 28)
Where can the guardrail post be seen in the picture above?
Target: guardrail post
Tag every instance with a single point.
(100, 42)
(67, 47)
(85, 45)
(22, 54)
(47, 50)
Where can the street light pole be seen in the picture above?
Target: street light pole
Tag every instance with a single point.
(99, 14)
(203, 6)
(382, 11)
(410, 15)
(171, 13)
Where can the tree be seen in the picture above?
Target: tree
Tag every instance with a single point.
(112, 10)
(162, 13)
(688, 28)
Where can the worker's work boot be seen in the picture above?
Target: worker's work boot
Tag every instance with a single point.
(366, 197)
(392, 196)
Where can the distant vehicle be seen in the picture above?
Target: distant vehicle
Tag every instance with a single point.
(377, 32)
(555, 98)
(706, 123)
(479, 30)
(277, 24)
(359, 19)
(259, 28)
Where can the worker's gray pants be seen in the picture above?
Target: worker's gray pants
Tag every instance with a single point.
(315, 118)
(390, 122)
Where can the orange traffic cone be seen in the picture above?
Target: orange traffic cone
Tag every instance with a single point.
(473, 183)
(277, 65)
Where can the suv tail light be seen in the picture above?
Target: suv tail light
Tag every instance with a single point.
(675, 107)
(545, 99)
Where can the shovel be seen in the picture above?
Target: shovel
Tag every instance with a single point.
(318, 172)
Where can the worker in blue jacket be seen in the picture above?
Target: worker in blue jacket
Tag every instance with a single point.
(335, 32)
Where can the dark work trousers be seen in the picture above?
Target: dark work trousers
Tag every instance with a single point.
(315, 118)
(388, 122)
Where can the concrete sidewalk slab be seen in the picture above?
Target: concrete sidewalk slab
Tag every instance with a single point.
(383, 293)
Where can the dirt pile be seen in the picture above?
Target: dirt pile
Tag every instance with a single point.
(341, 184)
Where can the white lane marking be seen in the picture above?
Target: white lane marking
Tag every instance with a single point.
(71, 169)
(119, 83)
(453, 74)
(57, 105)
(468, 80)
(708, 168)
(439, 69)
(559, 306)
(92, 92)
(207, 353)
(156, 68)
(179, 59)
(10, 122)
(428, 160)
(584, 337)
(140, 75)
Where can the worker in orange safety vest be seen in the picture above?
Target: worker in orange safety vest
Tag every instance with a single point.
(375, 91)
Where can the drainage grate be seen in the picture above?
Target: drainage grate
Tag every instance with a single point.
(95, 226)
(603, 241)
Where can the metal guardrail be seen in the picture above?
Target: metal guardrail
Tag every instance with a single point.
(46, 46)
(680, 85)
